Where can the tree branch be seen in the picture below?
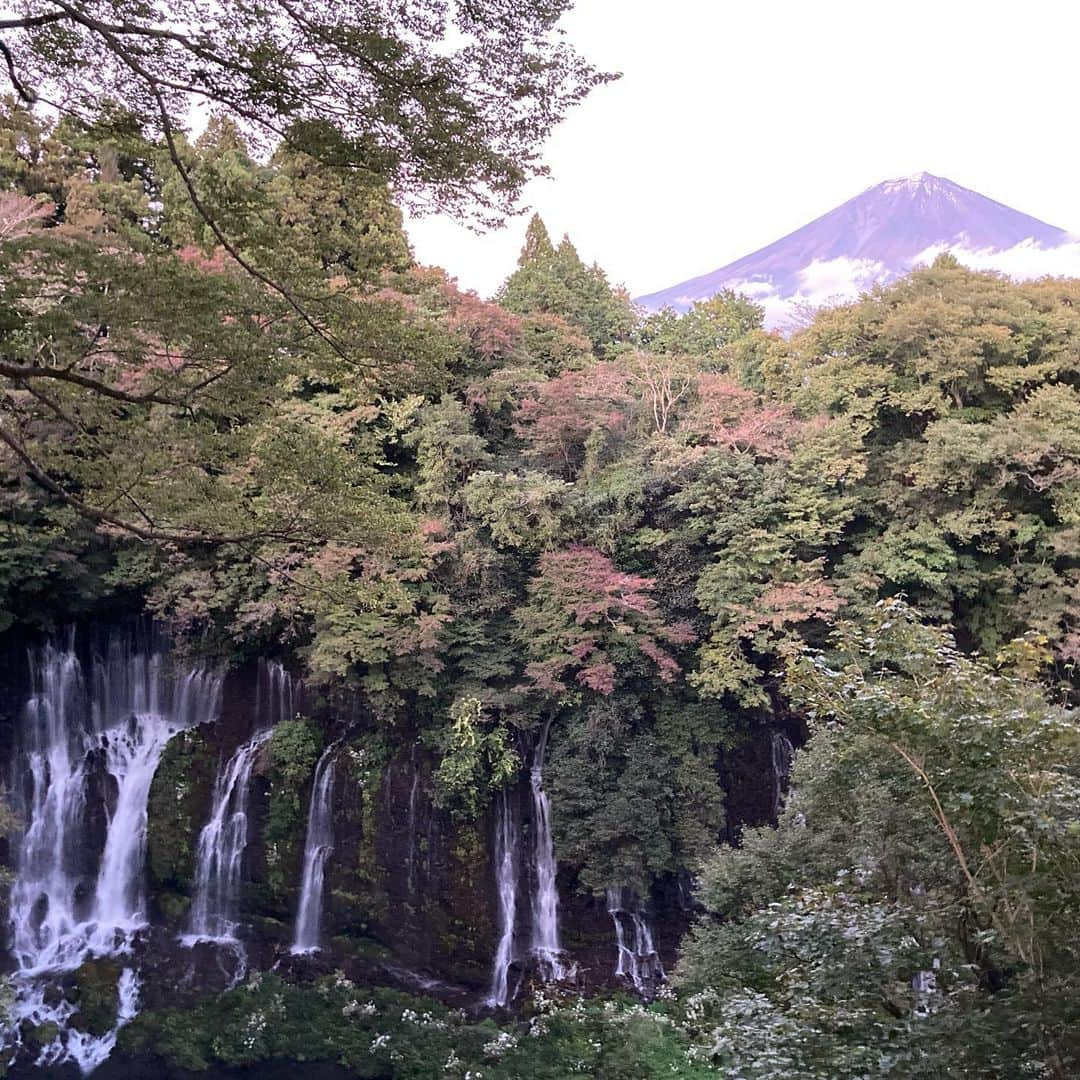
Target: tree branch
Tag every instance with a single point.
(25, 372)
(125, 56)
(100, 517)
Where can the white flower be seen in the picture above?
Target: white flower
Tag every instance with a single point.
(498, 1046)
(352, 1008)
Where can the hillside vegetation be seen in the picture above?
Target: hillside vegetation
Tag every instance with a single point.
(667, 535)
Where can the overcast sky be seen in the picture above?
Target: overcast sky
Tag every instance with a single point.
(737, 122)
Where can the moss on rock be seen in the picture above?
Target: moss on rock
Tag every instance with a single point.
(179, 799)
(96, 995)
(291, 756)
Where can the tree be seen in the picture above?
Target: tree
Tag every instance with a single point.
(663, 381)
(365, 85)
(371, 90)
(577, 412)
(587, 619)
(911, 914)
(554, 281)
(537, 247)
(706, 329)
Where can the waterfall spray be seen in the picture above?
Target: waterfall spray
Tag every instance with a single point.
(220, 852)
(219, 855)
(782, 754)
(318, 844)
(637, 958)
(507, 843)
(117, 718)
(545, 945)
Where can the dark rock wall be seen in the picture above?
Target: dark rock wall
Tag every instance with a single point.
(409, 889)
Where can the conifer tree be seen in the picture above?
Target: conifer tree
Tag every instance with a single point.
(553, 280)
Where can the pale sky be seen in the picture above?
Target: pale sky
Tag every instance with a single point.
(736, 122)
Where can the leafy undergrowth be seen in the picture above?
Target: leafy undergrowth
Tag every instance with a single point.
(382, 1033)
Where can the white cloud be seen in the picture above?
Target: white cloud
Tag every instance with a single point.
(831, 280)
(825, 283)
(1023, 262)
(756, 289)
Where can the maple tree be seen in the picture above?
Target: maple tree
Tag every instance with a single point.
(587, 620)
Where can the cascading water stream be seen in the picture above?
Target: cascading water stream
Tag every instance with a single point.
(318, 845)
(412, 840)
(782, 755)
(220, 852)
(507, 844)
(219, 855)
(545, 945)
(637, 958)
(66, 904)
(277, 695)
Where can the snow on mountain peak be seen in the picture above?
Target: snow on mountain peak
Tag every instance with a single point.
(882, 233)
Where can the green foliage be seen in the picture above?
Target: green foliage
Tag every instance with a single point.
(706, 330)
(632, 799)
(477, 758)
(553, 280)
(95, 994)
(229, 398)
(179, 801)
(46, 553)
(386, 1035)
(447, 107)
(292, 753)
(910, 914)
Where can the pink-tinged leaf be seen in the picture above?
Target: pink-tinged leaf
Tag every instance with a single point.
(598, 677)
(581, 609)
(791, 602)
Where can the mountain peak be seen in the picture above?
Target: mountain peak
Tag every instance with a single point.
(873, 238)
(915, 180)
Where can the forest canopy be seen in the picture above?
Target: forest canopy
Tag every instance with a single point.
(231, 399)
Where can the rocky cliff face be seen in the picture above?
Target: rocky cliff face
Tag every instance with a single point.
(165, 849)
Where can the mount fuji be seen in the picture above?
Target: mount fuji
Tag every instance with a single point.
(877, 237)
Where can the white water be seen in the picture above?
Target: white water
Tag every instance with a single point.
(413, 838)
(277, 696)
(62, 911)
(219, 855)
(318, 845)
(637, 958)
(507, 843)
(545, 946)
(220, 852)
(782, 754)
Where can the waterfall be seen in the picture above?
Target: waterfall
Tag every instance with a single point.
(545, 946)
(412, 839)
(782, 754)
(507, 843)
(67, 902)
(219, 854)
(637, 958)
(90, 1051)
(220, 851)
(318, 844)
(277, 695)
